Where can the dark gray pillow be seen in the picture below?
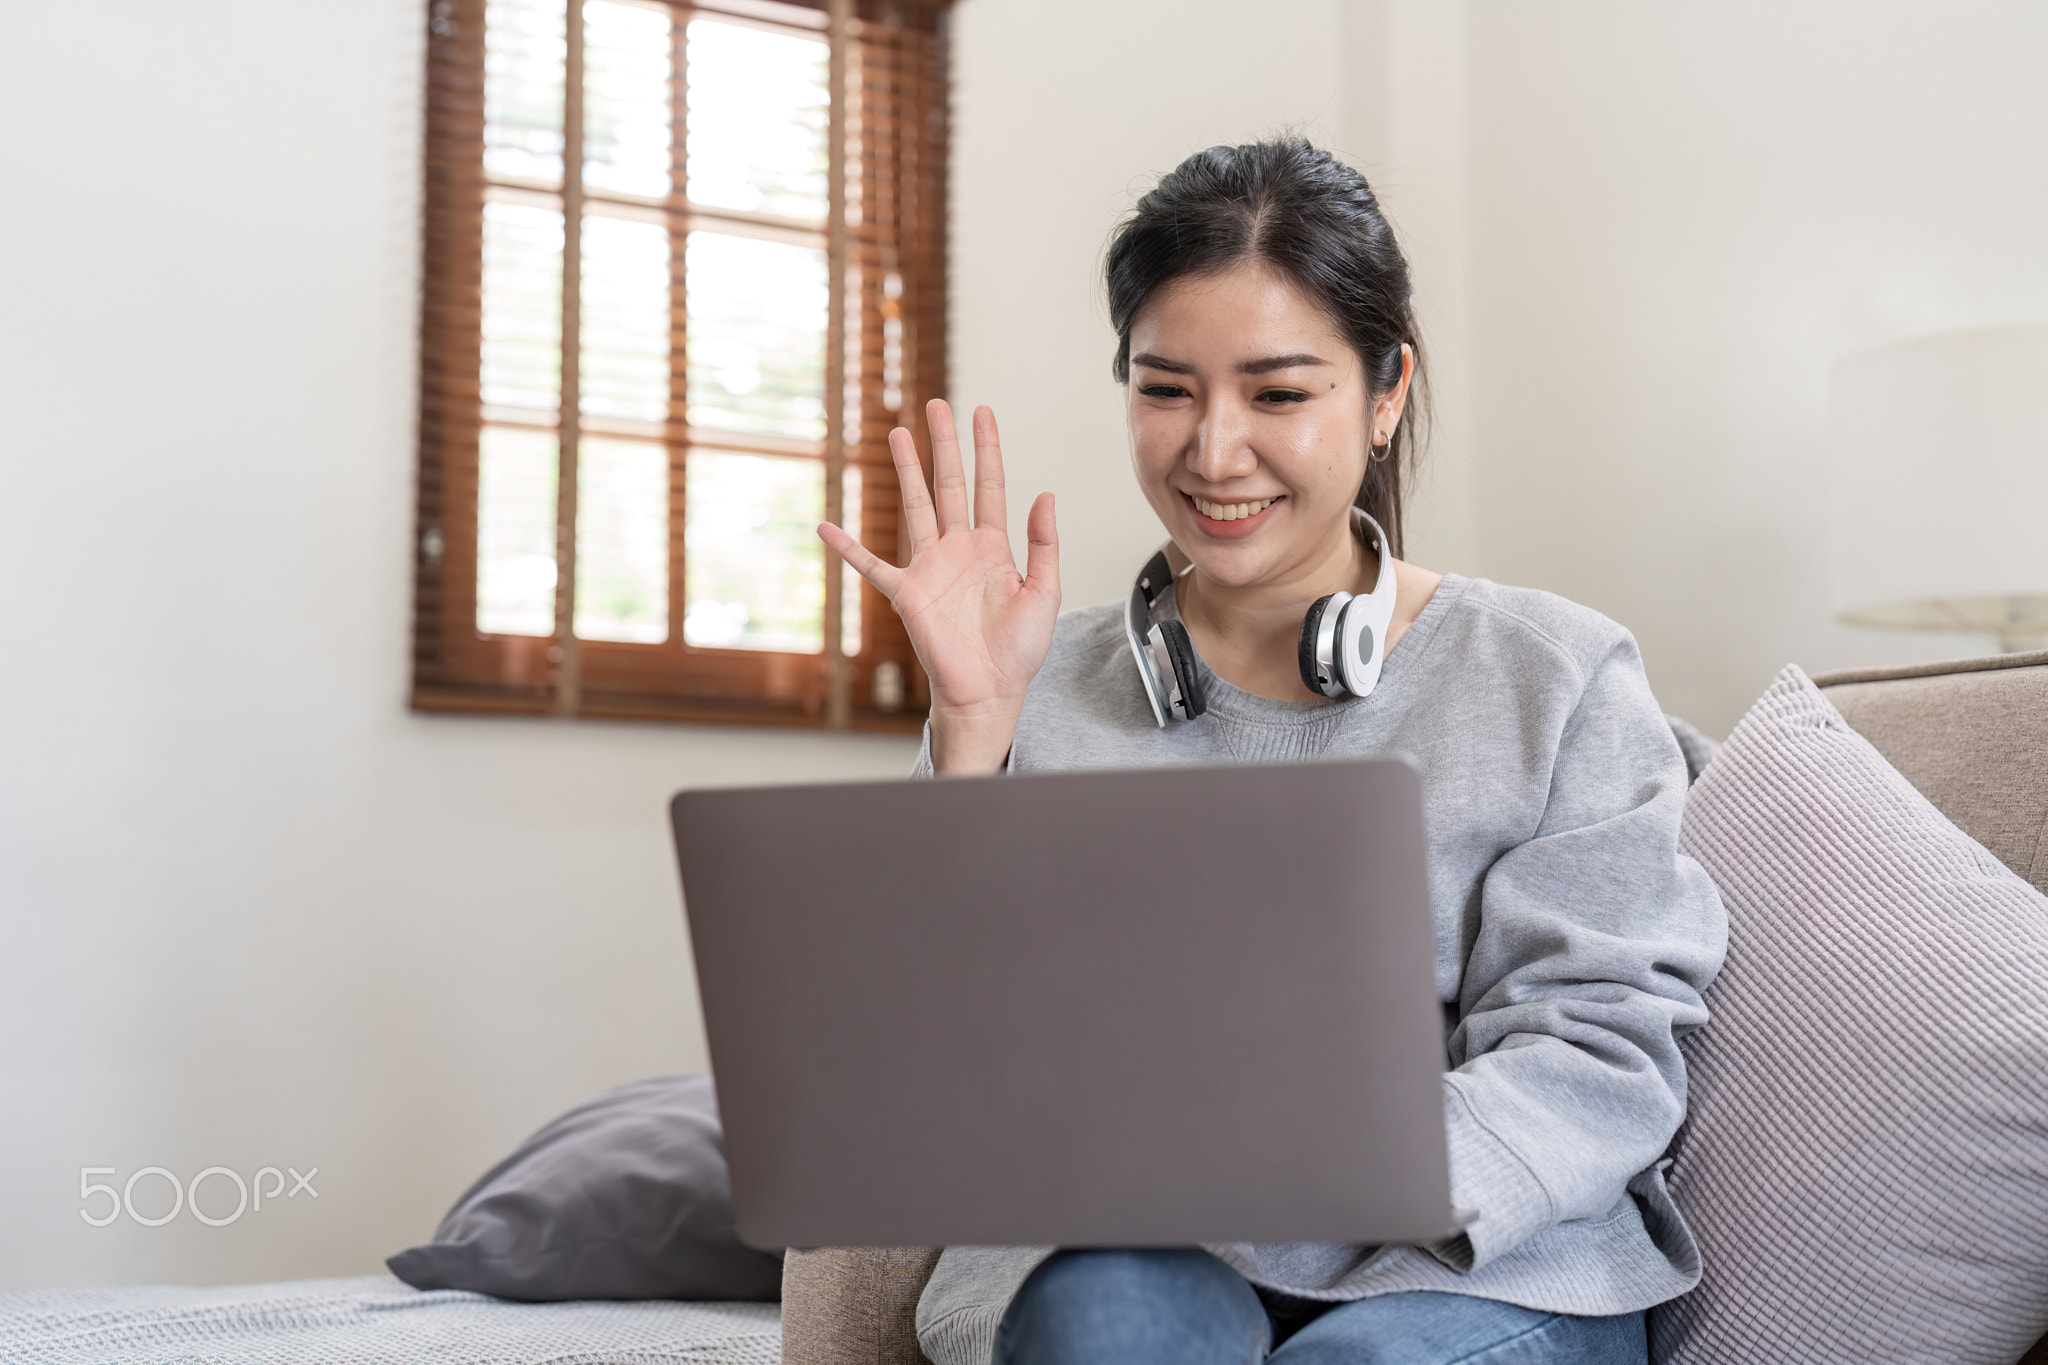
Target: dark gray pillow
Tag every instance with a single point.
(626, 1196)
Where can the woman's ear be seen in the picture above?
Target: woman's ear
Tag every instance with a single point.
(1386, 412)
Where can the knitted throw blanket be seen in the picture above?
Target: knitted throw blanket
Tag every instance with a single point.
(375, 1320)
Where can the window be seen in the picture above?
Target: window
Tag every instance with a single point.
(684, 268)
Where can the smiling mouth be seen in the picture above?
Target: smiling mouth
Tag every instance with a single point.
(1230, 511)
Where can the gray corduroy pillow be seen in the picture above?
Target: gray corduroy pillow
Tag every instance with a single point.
(1865, 1158)
(626, 1196)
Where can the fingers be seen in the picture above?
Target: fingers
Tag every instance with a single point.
(1042, 549)
(917, 504)
(869, 565)
(988, 473)
(949, 478)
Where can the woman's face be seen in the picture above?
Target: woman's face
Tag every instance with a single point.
(1250, 423)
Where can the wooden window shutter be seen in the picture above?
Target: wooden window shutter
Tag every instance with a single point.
(881, 239)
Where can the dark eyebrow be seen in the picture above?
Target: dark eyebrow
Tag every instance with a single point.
(1280, 362)
(1263, 365)
(1153, 362)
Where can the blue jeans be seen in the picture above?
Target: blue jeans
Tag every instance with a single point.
(1185, 1307)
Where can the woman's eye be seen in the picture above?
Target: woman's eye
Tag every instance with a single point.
(1164, 391)
(1283, 396)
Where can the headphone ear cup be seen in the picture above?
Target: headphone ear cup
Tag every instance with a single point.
(1305, 655)
(1181, 650)
(1356, 648)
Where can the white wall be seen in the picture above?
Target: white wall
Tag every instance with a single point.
(1682, 215)
(252, 911)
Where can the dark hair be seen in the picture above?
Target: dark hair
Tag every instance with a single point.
(1290, 205)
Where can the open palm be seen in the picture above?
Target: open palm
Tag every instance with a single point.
(980, 628)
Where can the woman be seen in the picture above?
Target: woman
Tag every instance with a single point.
(1268, 351)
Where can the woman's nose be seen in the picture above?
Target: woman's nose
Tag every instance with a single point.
(1222, 446)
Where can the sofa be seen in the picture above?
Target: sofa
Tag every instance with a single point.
(1970, 735)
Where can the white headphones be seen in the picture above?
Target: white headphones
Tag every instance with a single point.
(1343, 637)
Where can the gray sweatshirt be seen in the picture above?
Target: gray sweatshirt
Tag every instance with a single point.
(1573, 941)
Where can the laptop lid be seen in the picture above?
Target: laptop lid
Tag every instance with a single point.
(1116, 1008)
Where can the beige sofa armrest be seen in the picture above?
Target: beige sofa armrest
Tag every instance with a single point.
(1972, 736)
(853, 1305)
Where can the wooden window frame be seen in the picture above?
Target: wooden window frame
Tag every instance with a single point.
(886, 261)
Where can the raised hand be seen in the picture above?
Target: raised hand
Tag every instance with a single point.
(980, 629)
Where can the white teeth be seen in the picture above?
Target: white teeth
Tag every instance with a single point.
(1231, 511)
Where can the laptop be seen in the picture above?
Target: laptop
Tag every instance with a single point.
(1165, 1007)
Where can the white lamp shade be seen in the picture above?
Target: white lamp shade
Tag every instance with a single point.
(1939, 469)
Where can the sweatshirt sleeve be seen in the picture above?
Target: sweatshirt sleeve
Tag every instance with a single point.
(1595, 940)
